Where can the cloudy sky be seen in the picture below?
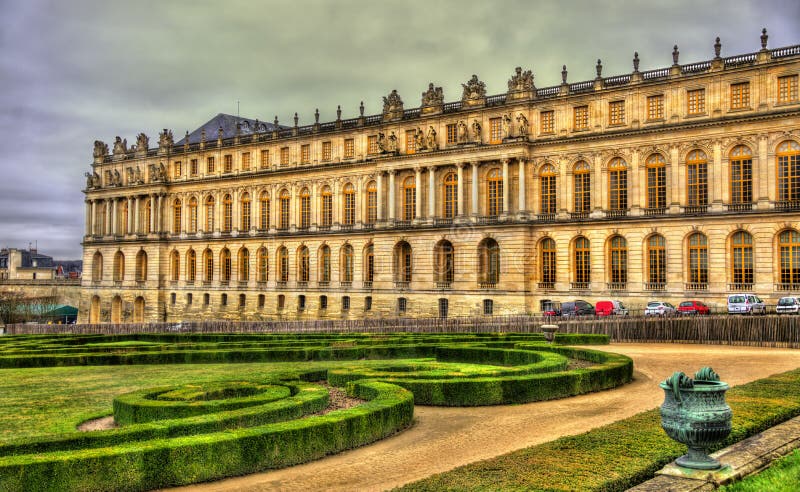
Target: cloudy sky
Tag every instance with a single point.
(72, 71)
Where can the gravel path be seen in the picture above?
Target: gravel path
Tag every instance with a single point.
(444, 438)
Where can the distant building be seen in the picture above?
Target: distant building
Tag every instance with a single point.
(19, 264)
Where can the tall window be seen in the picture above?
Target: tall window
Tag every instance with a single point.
(789, 252)
(655, 107)
(285, 201)
(146, 216)
(262, 265)
(327, 207)
(372, 144)
(118, 274)
(372, 202)
(264, 159)
(488, 261)
(450, 195)
(409, 198)
(210, 165)
(227, 163)
(305, 153)
(192, 215)
(410, 142)
(208, 266)
(547, 189)
(402, 262)
(141, 266)
(698, 259)
(245, 161)
(495, 130)
(191, 266)
(326, 151)
(444, 266)
(787, 89)
(617, 185)
(174, 266)
(580, 118)
(177, 208)
(283, 264)
(494, 184)
(350, 148)
(583, 187)
(284, 156)
(788, 157)
(740, 95)
(303, 264)
(697, 178)
(452, 133)
(547, 260)
(616, 112)
(656, 181)
(657, 260)
(583, 266)
(97, 267)
(225, 266)
(245, 219)
(349, 195)
(325, 264)
(244, 265)
(193, 167)
(305, 208)
(209, 214)
(346, 271)
(547, 121)
(227, 213)
(696, 101)
(741, 168)
(618, 260)
(742, 258)
(264, 212)
(123, 217)
(369, 263)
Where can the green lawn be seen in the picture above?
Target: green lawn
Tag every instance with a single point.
(782, 476)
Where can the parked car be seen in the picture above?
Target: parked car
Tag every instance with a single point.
(746, 304)
(659, 308)
(609, 308)
(576, 308)
(693, 307)
(788, 305)
(551, 308)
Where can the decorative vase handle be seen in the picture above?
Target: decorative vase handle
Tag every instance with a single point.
(677, 381)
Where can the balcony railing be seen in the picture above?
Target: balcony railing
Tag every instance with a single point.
(740, 207)
(443, 221)
(324, 227)
(368, 226)
(579, 215)
(302, 284)
(402, 223)
(367, 284)
(281, 284)
(546, 217)
(617, 286)
(443, 285)
(489, 219)
(346, 227)
(787, 205)
(787, 287)
(695, 209)
(345, 284)
(579, 285)
(401, 284)
(740, 286)
(487, 285)
(649, 212)
(547, 285)
(324, 284)
(695, 286)
(613, 214)
(655, 286)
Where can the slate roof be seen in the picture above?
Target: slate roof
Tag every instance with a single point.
(228, 124)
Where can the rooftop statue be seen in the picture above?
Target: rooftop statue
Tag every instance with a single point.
(521, 81)
(392, 102)
(142, 142)
(120, 146)
(473, 89)
(100, 149)
(165, 139)
(434, 96)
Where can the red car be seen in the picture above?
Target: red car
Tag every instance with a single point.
(693, 307)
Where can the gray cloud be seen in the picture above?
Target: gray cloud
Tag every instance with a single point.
(77, 71)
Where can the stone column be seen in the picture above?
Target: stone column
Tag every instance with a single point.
(460, 189)
(218, 206)
(392, 208)
(88, 225)
(131, 223)
(136, 226)
(159, 213)
(107, 221)
(761, 175)
(358, 198)
(379, 199)
(506, 186)
(418, 192)
(336, 202)
(523, 184)
(314, 203)
(474, 205)
(431, 192)
(295, 207)
(715, 178)
(94, 216)
(599, 188)
(675, 190)
(114, 218)
(235, 212)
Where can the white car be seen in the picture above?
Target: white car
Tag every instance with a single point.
(659, 308)
(746, 304)
(788, 305)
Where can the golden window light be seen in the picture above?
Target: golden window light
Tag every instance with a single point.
(656, 167)
(788, 169)
(697, 178)
(582, 178)
(547, 189)
(617, 184)
(349, 195)
(494, 195)
(409, 198)
(741, 175)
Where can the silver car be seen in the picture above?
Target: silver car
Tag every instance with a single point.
(659, 308)
(746, 304)
(788, 305)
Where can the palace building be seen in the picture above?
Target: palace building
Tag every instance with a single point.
(669, 184)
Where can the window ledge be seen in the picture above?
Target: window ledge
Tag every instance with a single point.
(787, 103)
(739, 110)
(696, 115)
(659, 120)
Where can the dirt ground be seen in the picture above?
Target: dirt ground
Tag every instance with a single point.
(444, 438)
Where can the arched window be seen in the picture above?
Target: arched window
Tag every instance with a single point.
(741, 169)
(617, 185)
(244, 265)
(225, 265)
(326, 212)
(618, 262)
(582, 177)
(123, 217)
(283, 264)
(494, 192)
(698, 260)
(193, 215)
(209, 214)
(488, 263)
(116, 309)
(94, 310)
(303, 264)
(208, 266)
(656, 262)
(742, 259)
(402, 263)
(547, 261)
(450, 195)
(285, 201)
(349, 195)
(547, 189)
(119, 267)
(177, 208)
(324, 265)
(262, 265)
(227, 213)
(264, 212)
(191, 266)
(582, 262)
(409, 198)
(97, 267)
(147, 216)
(789, 254)
(174, 266)
(141, 266)
(697, 178)
(305, 208)
(346, 261)
(245, 218)
(372, 203)
(444, 263)
(788, 156)
(369, 264)
(656, 181)
(138, 310)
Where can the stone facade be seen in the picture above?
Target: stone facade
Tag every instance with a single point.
(682, 182)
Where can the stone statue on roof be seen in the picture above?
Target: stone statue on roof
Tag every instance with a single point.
(434, 96)
(521, 81)
(473, 89)
(100, 149)
(142, 142)
(392, 102)
(120, 146)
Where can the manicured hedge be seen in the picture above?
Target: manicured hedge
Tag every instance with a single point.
(184, 460)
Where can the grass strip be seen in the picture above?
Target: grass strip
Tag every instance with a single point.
(783, 475)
